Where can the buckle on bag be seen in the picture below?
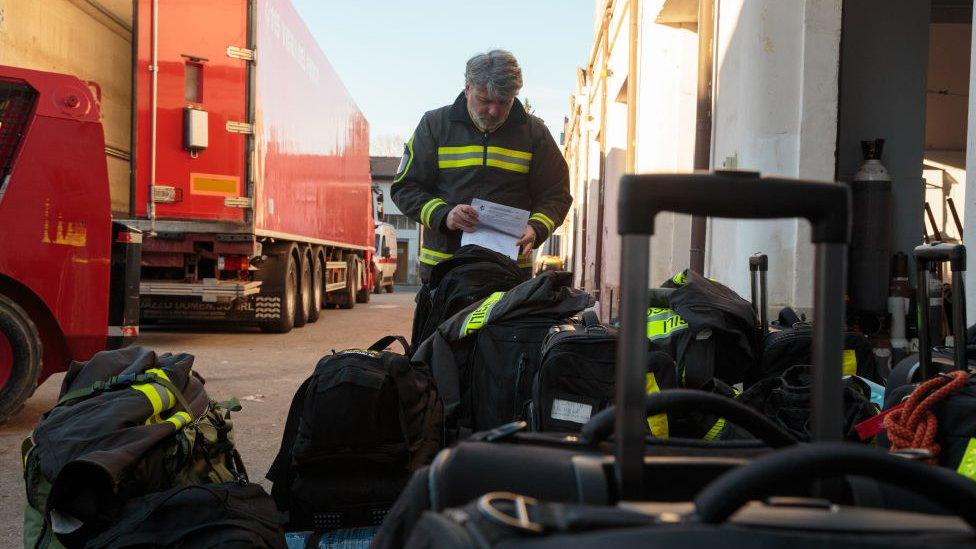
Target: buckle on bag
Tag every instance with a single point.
(519, 520)
(914, 454)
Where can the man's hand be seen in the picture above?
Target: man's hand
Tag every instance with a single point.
(462, 218)
(527, 241)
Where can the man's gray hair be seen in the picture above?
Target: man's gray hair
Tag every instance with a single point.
(497, 70)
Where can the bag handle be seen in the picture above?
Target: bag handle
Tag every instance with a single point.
(386, 341)
(925, 255)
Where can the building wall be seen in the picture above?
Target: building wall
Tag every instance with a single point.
(88, 39)
(411, 235)
(775, 113)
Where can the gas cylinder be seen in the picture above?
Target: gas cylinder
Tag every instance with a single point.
(870, 253)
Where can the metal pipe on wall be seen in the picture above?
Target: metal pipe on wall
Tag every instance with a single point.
(631, 159)
(154, 68)
(703, 122)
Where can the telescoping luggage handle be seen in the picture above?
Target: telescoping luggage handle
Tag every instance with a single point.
(758, 267)
(732, 195)
(925, 255)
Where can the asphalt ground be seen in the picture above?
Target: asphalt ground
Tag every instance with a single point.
(261, 370)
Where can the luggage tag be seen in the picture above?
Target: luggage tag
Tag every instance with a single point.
(874, 425)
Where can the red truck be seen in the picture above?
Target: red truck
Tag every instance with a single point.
(251, 174)
(68, 274)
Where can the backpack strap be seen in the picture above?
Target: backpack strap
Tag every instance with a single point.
(281, 473)
(385, 342)
(590, 318)
(127, 380)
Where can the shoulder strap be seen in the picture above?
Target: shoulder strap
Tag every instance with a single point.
(385, 342)
(126, 380)
(281, 473)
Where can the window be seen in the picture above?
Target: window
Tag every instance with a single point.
(16, 104)
(555, 245)
(401, 222)
(193, 84)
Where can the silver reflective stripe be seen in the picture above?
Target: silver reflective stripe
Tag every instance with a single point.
(460, 156)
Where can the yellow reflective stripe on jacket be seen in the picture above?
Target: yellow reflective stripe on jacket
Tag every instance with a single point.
(179, 420)
(716, 430)
(406, 169)
(507, 165)
(428, 209)
(544, 219)
(658, 424)
(512, 153)
(460, 157)
(160, 398)
(433, 257)
(479, 317)
(662, 322)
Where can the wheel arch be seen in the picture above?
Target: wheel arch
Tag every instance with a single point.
(55, 353)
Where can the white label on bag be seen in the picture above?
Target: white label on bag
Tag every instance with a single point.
(567, 410)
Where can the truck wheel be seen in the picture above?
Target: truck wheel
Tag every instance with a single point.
(378, 281)
(362, 296)
(389, 288)
(315, 311)
(20, 357)
(283, 273)
(347, 299)
(304, 292)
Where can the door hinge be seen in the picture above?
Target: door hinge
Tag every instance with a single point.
(239, 127)
(240, 53)
(238, 202)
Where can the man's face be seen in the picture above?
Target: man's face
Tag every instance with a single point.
(488, 112)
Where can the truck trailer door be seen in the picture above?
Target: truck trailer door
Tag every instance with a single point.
(191, 109)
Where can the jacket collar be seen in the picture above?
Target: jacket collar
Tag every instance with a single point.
(459, 112)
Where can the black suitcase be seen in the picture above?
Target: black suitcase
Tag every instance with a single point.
(929, 361)
(513, 519)
(787, 341)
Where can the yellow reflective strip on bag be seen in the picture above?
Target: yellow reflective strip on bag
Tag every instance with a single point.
(159, 399)
(716, 429)
(435, 253)
(680, 279)
(179, 420)
(544, 219)
(657, 329)
(522, 155)
(967, 466)
(658, 424)
(510, 166)
(479, 317)
(849, 362)
(459, 163)
(461, 150)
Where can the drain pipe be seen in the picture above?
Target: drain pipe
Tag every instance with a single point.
(703, 122)
(154, 68)
(631, 158)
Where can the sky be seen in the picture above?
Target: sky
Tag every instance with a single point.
(400, 59)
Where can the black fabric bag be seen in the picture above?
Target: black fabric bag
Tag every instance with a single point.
(356, 429)
(576, 375)
(789, 344)
(228, 515)
(787, 400)
(485, 357)
(709, 330)
(472, 274)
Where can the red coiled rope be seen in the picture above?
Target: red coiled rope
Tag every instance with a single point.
(914, 425)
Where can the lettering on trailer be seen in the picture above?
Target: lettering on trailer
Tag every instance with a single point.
(291, 44)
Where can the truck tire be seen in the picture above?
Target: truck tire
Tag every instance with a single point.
(282, 272)
(347, 297)
(318, 287)
(362, 296)
(304, 291)
(20, 357)
(389, 288)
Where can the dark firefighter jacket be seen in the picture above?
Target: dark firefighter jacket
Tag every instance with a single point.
(448, 161)
(89, 447)
(548, 295)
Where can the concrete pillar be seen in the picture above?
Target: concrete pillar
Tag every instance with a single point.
(969, 221)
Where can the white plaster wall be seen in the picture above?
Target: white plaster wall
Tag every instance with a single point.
(776, 108)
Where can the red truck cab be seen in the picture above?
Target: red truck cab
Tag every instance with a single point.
(68, 275)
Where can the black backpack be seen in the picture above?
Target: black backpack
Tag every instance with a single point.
(228, 515)
(356, 429)
(472, 274)
(789, 344)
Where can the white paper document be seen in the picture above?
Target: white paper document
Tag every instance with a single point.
(499, 227)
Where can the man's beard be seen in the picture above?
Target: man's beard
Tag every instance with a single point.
(484, 124)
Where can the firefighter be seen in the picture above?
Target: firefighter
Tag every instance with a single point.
(485, 145)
